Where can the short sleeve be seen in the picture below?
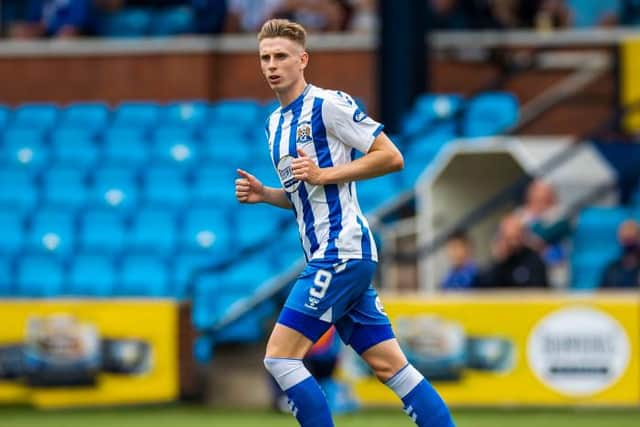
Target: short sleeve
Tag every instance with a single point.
(348, 123)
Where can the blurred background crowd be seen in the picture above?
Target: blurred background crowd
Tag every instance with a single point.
(126, 18)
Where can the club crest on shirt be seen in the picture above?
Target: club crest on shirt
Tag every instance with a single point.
(303, 133)
(359, 115)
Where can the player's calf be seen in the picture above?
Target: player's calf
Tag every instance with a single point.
(306, 399)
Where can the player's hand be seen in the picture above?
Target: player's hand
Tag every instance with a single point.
(249, 189)
(305, 169)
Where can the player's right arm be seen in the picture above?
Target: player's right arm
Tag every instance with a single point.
(249, 189)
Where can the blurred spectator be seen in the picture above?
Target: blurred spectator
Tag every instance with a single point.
(447, 15)
(630, 12)
(55, 18)
(625, 271)
(314, 15)
(364, 16)
(546, 222)
(249, 15)
(463, 268)
(544, 14)
(515, 264)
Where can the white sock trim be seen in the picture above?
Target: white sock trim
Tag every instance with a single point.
(405, 380)
(286, 372)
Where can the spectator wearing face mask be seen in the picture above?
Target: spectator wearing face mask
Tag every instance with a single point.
(625, 271)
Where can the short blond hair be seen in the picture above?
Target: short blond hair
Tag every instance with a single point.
(283, 28)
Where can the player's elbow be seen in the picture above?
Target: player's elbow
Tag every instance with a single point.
(396, 161)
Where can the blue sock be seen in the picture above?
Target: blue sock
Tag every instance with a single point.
(306, 399)
(421, 401)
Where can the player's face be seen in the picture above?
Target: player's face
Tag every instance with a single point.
(283, 62)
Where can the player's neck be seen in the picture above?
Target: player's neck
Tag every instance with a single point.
(287, 97)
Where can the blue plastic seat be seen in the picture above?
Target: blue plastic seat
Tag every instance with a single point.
(255, 223)
(74, 146)
(224, 145)
(185, 266)
(243, 113)
(173, 21)
(115, 187)
(206, 230)
(91, 275)
(153, 231)
(11, 232)
(139, 114)
(172, 133)
(166, 186)
(25, 148)
(373, 193)
(597, 228)
(52, 231)
(187, 113)
(91, 116)
(125, 146)
(587, 268)
(490, 113)
(128, 22)
(428, 109)
(215, 184)
(40, 116)
(5, 114)
(39, 276)
(142, 275)
(249, 275)
(6, 278)
(65, 186)
(179, 151)
(17, 189)
(102, 231)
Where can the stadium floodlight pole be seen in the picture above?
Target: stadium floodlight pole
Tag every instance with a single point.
(402, 58)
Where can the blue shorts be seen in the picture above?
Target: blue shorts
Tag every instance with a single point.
(338, 293)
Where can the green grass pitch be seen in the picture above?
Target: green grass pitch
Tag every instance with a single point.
(196, 416)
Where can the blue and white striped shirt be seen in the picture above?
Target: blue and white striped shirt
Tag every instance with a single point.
(329, 127)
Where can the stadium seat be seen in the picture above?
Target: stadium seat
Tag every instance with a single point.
(6, 278)
(490, 113)
(74, 146)
(166, 186)
(288, 251)
(39, 276)
(430, 109)
(17, 190)
(102, 231)
(65, 186)
(185, 265)
(11, 232)
(597, 228)
(25, 148)
(227, 145)
(91, 275)
(372, 193)
(173, 21)
(136, 113)
(214, 184)
(52, 231)
(587, 268)
(181, 151)
(5, 114)
(247, 276)
(114, 187)
(91, 116)
(38, 116)
(125, 146)
(242, 113)
(142, 275)
(206, 230)
(128, 22)
(191, 114)
(254, 223)
(153, 231)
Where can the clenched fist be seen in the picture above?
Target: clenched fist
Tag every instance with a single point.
(249, 189)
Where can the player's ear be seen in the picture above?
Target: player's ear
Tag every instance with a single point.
(304, 60)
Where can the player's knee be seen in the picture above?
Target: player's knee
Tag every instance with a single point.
(383, 369)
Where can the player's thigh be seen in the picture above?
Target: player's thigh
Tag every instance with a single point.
(286, 342)
(385, 359)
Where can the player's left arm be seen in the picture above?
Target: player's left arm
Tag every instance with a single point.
(382, 158)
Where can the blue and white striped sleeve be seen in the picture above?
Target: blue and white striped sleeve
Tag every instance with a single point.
(348, 123)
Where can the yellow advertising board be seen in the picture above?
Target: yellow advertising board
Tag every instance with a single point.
(57, 353)
(630, 81)
(529, 349)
